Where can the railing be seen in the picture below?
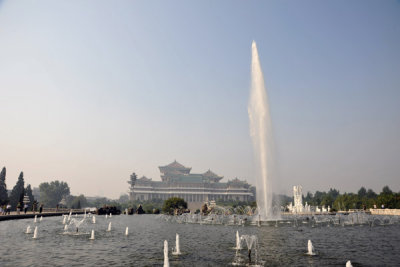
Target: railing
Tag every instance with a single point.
(61, 210)
(385, 211)
(356, 210)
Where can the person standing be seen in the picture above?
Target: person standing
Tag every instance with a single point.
(25, 208)
(41, 208)
(8, 209)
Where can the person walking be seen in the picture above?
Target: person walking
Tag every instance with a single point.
(18, 207)
(34, 206)
(25, 208)
(41, 208)
(8, 209)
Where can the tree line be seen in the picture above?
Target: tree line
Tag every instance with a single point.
(363, 199)
(51, 194)
(17, 193)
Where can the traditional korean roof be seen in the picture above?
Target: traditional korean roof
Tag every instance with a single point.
(236, 183)
(212, 176)
(174, 167)
(144, 179)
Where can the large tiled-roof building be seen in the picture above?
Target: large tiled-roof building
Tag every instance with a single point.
(177, 181)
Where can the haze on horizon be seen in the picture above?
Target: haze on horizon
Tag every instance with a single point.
(92, 91)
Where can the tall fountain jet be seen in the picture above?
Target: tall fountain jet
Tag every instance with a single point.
(261, 134)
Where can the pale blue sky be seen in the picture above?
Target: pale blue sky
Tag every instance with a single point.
(91, 91)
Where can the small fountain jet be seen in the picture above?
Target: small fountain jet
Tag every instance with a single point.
(310, 248)
(177, 250)
(251, 241)
(35, 233)
(92, 235)
(166, 260)
(77, 224)
(238, 243)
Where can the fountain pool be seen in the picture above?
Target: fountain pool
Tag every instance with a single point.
(201, 244)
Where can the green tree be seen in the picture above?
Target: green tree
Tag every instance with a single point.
(371, 194)
(362, 192)
(333, 193)
(148, 208)
(28, 192)
(77, 202)
(318, 196)
(123, 198)
(3, 187)
(17, 194)
(327, 200)
(174, 203)
(386, 190)
(387, 198)
(308, 198)
(52, 193)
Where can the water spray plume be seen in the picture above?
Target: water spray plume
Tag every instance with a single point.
(261, 134)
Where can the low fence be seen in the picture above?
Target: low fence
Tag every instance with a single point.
(63, 210)
(385, 212)
(45, 213)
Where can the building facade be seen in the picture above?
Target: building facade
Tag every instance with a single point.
(177, 181)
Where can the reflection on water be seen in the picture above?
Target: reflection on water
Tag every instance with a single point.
(283, 243)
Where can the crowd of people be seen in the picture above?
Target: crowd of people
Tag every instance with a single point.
(6, 209)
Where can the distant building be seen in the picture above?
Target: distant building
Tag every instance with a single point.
(177, 181)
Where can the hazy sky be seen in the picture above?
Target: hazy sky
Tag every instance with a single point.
(91, 91)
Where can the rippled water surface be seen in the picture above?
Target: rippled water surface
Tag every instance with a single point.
(201, 245)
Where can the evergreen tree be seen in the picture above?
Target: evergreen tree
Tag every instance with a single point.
(132, 180)
(17, 194)
(3, 187)
(28, 192)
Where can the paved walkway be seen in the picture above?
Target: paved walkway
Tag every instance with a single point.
(30, 214)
